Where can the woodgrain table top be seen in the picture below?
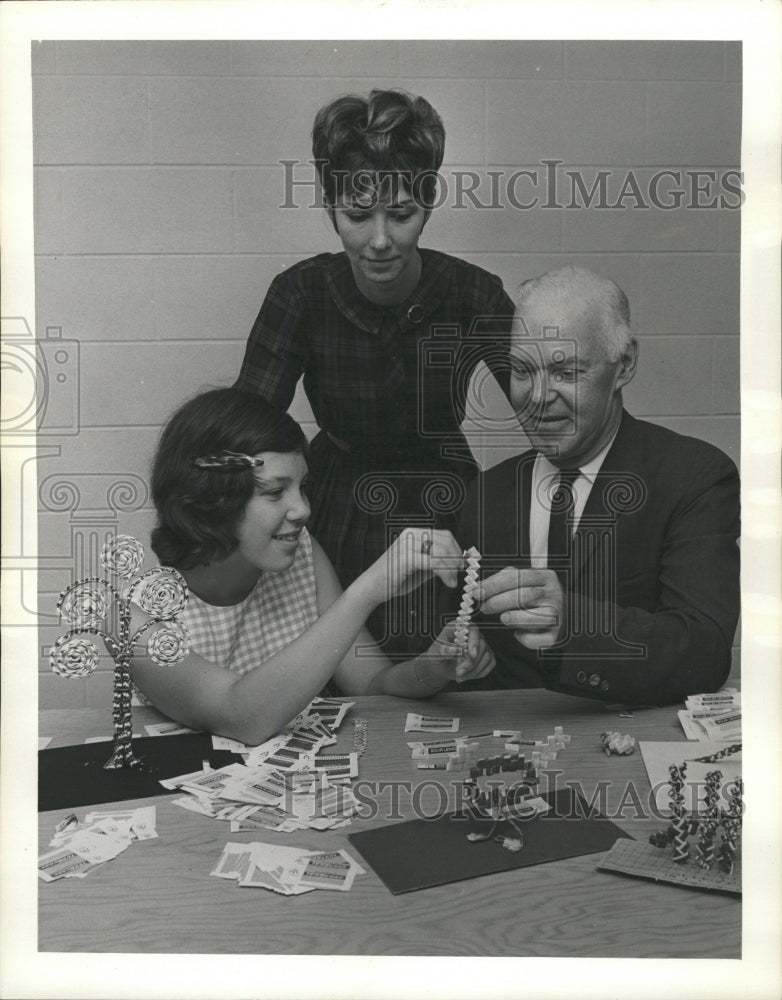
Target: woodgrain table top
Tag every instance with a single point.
(158, 896)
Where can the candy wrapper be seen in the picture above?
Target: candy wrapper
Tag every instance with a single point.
(616, 743)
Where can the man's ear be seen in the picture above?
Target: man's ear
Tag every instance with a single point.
(627, 365)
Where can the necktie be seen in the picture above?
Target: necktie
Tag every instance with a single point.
(562, 503)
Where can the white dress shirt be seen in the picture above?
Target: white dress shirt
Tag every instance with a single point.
(544, 473)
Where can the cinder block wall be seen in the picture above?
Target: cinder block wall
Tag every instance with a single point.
(157, 230)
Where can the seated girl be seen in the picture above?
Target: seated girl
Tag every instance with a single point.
(269, 623)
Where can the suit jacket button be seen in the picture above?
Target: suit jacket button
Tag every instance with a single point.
(581, 677)
(594, 680)
(604, 685)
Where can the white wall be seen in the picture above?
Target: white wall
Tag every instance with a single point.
(157, 229)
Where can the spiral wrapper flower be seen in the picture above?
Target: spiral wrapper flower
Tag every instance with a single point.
(73, 656)
(83, 604)
(681, 844)
(161, 592)
(461, 631)
(122, 556)
(169, 644)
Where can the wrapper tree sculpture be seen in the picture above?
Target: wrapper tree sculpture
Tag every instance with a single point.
(93, 605)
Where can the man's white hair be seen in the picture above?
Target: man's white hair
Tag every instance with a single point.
(601, 299)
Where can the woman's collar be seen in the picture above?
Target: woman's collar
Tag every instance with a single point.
(427, 296)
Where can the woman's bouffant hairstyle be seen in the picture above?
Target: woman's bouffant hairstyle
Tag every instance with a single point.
(390, 133)
(199, 508)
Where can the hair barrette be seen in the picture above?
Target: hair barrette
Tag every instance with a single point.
(227, 461)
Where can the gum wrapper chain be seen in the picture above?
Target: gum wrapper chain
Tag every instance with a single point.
(467, 605)
(714, 757)
(731, 827)
(161, 593)
(359, 736)
(715, 821)
(708, 828)
(681, 847)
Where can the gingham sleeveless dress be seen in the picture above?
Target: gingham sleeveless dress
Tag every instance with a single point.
(276, 611)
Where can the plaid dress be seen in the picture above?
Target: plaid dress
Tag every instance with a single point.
(388, 388)
(276, 611)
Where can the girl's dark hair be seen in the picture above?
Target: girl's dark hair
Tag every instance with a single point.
(390, 133)
(198, 509)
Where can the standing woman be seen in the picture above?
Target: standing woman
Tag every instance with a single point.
(355, 324)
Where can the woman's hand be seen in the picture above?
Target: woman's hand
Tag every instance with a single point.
(445, 662)
(415, 556)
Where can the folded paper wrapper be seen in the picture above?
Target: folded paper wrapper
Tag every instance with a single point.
(69, 777)
(422, 853)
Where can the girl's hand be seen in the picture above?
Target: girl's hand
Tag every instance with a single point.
(415, 556)
(445, 661)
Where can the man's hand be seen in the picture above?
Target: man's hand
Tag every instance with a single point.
(529, 600)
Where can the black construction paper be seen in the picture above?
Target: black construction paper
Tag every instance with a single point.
(423, 853)
(69, 777)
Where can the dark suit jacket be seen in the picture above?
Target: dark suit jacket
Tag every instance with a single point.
(652, 580)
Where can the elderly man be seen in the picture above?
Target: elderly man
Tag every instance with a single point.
(610, 560)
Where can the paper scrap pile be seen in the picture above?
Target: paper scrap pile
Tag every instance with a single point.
(287, 870)
(80, 847)
(285, 783)
(712, 716)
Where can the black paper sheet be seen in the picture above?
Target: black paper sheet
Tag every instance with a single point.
(423, 853)
(69, 777)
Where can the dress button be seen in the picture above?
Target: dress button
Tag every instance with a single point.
(604, 685)
(581, 677)
(594, 680)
